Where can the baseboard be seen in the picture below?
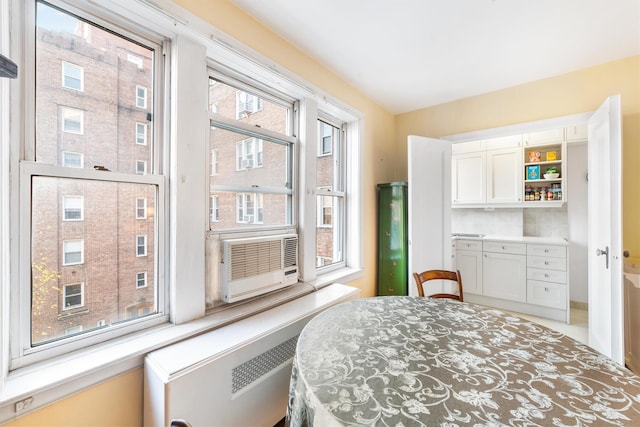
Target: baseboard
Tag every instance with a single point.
(579, 305)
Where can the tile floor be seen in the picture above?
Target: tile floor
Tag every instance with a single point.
(577, 329)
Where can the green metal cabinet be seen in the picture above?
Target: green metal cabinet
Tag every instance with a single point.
(392, 238)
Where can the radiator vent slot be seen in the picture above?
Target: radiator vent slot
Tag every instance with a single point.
(257, 265)
(252, 370)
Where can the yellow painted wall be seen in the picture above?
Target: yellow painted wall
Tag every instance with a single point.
(577, 92)
(119, 401)
(114, 403)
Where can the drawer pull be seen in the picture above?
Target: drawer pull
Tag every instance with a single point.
(503, 248)
(546, 275)
(546, 289)
(546, 251)
(546, 263)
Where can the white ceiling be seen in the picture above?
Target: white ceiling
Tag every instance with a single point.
(411, 54)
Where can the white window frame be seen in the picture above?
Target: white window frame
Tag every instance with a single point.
(69, 115)
(66, 246)
(65, 208)
(66, 65)
(142, 245)
(141, 101)
(65, 307)
(144, 279)
(141, 133)
(65, 162)
(142, 208)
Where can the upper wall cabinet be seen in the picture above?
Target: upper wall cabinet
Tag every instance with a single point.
(468, 173)
(487, 172)
(526, 170)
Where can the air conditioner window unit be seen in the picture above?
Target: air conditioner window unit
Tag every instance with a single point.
(257, 265)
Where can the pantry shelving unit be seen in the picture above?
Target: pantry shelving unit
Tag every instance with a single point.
(538, 159)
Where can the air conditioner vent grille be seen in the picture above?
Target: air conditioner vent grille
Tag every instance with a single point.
(290, 252)
(254, 258)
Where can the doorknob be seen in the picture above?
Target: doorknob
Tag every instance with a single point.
(604, 252)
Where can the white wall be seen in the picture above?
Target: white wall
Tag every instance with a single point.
(577, 216)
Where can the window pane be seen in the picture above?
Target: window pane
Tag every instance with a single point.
(328, 231)
(249, 162)
(330, 196)
(328, 136)
(100, 120)
(241, 105)
(104, 243)
(233, 210)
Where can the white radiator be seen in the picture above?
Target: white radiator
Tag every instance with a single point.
(237, 375)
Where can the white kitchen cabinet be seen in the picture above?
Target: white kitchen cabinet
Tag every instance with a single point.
(487, 172)
(547, 284)
(468, 178)
(469, 263)
(504, 175)
(527, 276)
(504, 274)
(576, 133)
(544, 137)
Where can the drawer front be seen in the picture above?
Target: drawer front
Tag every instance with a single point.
(547, 250)
(546, 275)
(505, 247)
(547, 294)
(469, 245)
(547, 263)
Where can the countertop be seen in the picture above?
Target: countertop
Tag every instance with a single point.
(506, 238)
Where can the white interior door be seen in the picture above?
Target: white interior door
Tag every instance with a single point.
(429, 193)
(605, 230)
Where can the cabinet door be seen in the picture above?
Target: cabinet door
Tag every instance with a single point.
(544, 137)
(504, 276)
(468, 178)
(504, 176)
(469, 263)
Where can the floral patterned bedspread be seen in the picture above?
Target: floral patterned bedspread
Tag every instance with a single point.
(411, 361)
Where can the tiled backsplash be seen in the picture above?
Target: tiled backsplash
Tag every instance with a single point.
(538, 222)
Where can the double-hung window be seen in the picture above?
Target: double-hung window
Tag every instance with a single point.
(330, 190)
(81, 157)
(252, 189)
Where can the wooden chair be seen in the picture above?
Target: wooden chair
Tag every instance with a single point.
(439, 275)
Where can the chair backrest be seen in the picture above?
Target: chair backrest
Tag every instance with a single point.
(425, 276)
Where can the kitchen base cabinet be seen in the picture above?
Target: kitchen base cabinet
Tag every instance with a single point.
(469, 264)
(504, 276)
(529, 278)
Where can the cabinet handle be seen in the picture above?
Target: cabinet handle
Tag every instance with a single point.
(546, 263)
(546, 275)
(503, 248)
(546, 251)
(546, 289)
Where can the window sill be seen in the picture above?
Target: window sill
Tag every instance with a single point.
(38, 385)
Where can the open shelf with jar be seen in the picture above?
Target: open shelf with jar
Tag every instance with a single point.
(544, 181)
